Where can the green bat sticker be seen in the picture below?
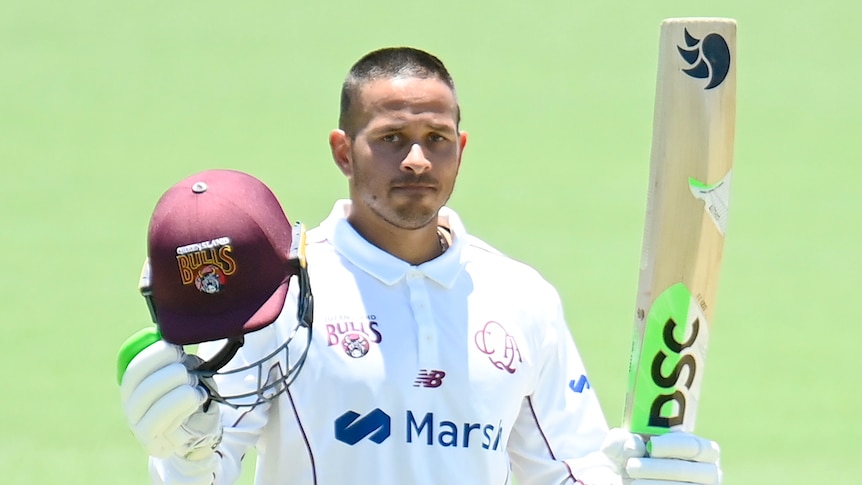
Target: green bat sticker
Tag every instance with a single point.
(667, 378)
(716, 199)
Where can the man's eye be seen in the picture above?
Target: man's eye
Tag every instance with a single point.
(436, 138)
(391, 138)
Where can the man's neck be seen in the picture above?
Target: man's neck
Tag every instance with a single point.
(415, 246)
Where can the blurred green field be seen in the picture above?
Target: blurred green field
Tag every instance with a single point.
(103, 105)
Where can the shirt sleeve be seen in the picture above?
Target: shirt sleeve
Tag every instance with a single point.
(557, 436)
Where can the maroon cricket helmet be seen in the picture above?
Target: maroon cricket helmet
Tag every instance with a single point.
(218, 248)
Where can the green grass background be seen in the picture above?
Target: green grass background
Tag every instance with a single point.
(104, 104)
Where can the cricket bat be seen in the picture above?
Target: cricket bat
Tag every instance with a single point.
(686, 221)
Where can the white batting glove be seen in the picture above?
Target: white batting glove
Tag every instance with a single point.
(669, 459)
(164, 405)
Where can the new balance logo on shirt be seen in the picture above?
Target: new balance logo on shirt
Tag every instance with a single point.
(429, 378)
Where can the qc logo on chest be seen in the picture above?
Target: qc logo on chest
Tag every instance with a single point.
(501, 348)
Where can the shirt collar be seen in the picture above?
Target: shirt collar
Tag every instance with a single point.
(443, 269)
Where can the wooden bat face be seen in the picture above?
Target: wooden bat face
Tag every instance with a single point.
(686, 220)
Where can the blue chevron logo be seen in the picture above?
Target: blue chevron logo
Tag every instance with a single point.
(350, 428)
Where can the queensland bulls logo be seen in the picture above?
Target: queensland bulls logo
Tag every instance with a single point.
(206, 264)
(355, 345)
(500, 347)
(355, 335)
(210, 279)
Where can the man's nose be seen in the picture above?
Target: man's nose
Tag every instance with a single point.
(415, 160)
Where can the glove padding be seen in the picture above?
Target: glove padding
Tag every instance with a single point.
(669, 459)
(165, 407)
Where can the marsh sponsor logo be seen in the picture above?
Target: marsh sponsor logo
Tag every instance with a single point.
(427, 430)
(351, 428)
(450, 434)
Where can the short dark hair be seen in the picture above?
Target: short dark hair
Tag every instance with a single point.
(388, 63)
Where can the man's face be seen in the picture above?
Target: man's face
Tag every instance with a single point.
(405, 153)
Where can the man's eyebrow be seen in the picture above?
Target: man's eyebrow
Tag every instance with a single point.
(442, 127)
(389, 126)
(400, 125)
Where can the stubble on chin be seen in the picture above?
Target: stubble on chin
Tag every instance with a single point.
(404, 216)
(408, 215)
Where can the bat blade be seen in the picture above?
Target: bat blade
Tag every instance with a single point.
(686, 221)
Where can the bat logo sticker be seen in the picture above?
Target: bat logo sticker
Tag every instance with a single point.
(709, 58)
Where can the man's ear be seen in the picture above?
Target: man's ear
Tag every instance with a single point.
(339, 144)
(462, 143)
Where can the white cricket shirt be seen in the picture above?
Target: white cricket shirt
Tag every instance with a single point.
(458, 371)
